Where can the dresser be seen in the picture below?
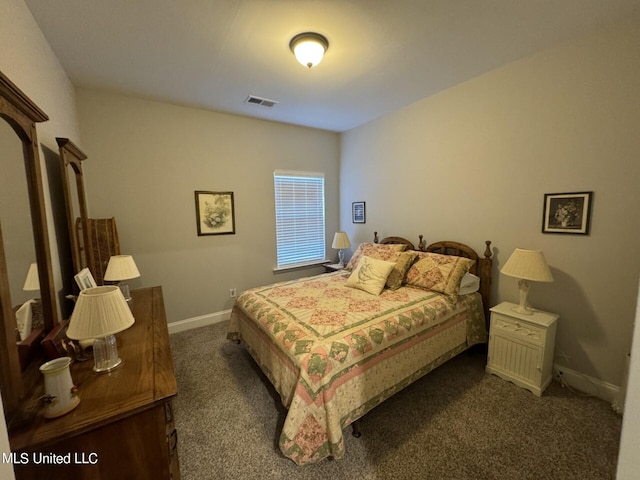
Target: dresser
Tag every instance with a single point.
(123, 427)
(521, 346)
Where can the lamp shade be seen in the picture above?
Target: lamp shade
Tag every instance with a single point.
(340, 240)
(309, 48)
(528, 265)
(99, 312)
(32, 282)
(121, 267)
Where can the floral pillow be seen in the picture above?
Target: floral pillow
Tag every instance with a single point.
(403, 260)
(439, 273)
(370, 275)
(381, 252)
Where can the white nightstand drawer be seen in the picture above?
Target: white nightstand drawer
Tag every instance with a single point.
(517, 328)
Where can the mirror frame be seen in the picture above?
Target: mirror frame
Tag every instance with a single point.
(71, 157)
(22, 115)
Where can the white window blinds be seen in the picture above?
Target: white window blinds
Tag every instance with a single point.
(300, 234)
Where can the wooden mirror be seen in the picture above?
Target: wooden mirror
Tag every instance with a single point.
(71, 158)
(21, 114)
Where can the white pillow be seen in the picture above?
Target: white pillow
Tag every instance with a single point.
(370, 275)
(470, 283)
(24, 319)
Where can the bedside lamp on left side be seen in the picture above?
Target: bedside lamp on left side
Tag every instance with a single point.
(340, 241)
(120, 269)
(32, 284)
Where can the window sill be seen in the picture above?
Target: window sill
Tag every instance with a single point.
(300, 266)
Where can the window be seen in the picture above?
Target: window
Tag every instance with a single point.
(300, 236)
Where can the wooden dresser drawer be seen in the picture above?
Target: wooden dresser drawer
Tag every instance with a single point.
(124, 424)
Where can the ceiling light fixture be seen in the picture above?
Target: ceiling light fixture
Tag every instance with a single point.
(309, 48)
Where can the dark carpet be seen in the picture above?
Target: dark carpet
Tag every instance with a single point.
(457, 422)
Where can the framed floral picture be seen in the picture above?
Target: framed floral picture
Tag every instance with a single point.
(567, 213)
(215, 213)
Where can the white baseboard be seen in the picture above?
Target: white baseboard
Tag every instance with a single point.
(197, 322)
(586, 384)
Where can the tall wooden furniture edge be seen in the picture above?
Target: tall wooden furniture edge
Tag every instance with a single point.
(111, 403)
(72, 157)
(22, 115)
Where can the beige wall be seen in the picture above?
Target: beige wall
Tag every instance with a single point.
(26, 58)
(473, 163)
(146, 159)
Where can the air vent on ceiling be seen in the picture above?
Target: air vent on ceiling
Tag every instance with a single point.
(260, 101)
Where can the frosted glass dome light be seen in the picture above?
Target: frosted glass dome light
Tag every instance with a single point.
(309, 48)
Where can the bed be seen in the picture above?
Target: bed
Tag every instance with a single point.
(334, 350)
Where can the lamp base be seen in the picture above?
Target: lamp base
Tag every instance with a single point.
(524, 308)
(105, 354)
(124, 288)
(523, 311)
(107, 369)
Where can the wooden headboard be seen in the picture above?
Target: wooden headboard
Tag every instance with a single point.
(481, 268)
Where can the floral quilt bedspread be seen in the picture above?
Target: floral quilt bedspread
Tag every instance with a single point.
(334, 352)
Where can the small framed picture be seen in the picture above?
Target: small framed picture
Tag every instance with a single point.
(84, 279)
(358, 212)
(214, 213)
(567, 213)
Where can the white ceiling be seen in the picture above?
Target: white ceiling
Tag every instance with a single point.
(383, 54)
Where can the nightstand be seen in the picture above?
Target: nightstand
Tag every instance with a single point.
(333, 267)
(521, 346)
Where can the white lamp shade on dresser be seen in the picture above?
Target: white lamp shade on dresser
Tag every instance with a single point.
(121, 267)
(99, 312)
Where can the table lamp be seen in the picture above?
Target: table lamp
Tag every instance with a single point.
(100, 313)
(120, 269)
(340, 241)
(32, 284)
(527, 265)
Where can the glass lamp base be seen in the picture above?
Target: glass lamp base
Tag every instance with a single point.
(107, 368)
(105, 354)
(124, 288)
